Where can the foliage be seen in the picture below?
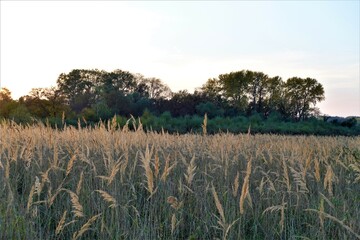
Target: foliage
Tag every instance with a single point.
(236, 100)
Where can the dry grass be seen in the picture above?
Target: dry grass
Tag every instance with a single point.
(105, 183)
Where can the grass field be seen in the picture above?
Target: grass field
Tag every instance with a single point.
(109, 183)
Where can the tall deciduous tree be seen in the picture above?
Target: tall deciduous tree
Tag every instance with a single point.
(79, 87)
(6, 102)
(234, 88)
(258, 84)
(211, 89)
(153, 88)
(45, 102)
(118, 80)
(56, 102)
(301, 95)
(274, 95)
(36, 103)
(5, 95)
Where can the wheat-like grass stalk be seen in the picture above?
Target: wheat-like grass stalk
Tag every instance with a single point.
(218, 204)
(45, 177)
(70, 164)
(167, 169)
(307, 165)
(245, 187)
(282, 216)
(61, 223)
(146, 160)
(328, 180)
(77, 207)
(317, 170)
(190, 173)
(174, 203)
(156, 165)
(204, 125)
(52, 197)
(321, 215)
(7, 169)
(299, 180)
(55, 162)
(173, 223)
(108, 198)
(341, 223)
(286, 174)
(278, 208)
(85, 227)
(79, 185)
(37, 189)
(30, 198)
(235, 186)
(356, 167)
(115, 169)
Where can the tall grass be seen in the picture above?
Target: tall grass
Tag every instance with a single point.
(112, 183)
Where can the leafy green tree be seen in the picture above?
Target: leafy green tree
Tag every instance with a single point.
(234, 87)
(6, 102)
(274, 95)
(118, 80)
(20, 114)
(102, 110)
(56, 102)
(153, 88)
(79, 87)
(257, 89)
(45, 102)
(183, 103)
(5, 95)
(36, 103)
(211, 89)
(301, 96)
(118, 102)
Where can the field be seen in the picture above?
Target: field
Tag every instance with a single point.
(111, 183)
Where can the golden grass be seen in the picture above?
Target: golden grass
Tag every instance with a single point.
(103, 182)
(245, 188)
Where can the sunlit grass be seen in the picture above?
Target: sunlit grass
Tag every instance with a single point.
(111, 183)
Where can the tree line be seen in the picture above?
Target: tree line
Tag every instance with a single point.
(94, 95)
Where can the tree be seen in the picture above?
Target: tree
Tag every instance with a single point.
(56, 102)
(301, 96)
(79, 87)
(234, 87)
(45, 102)
(5, 95)
(35, 103)
(211, 89)
(183, 103)
(20, 114)
(274, 95)
(118, 80)
(6, 102)
(153, 88)
(258, 83)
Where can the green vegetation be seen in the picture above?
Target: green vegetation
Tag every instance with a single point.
(107, 182)
(233, 102)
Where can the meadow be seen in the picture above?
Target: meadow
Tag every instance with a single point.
(107, 182)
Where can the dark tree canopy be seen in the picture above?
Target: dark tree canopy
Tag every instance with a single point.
(301, 95)
(92, 94)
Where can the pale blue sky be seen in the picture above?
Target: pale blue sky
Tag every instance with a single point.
(185, 42)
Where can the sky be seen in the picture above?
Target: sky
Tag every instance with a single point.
(184, 43)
